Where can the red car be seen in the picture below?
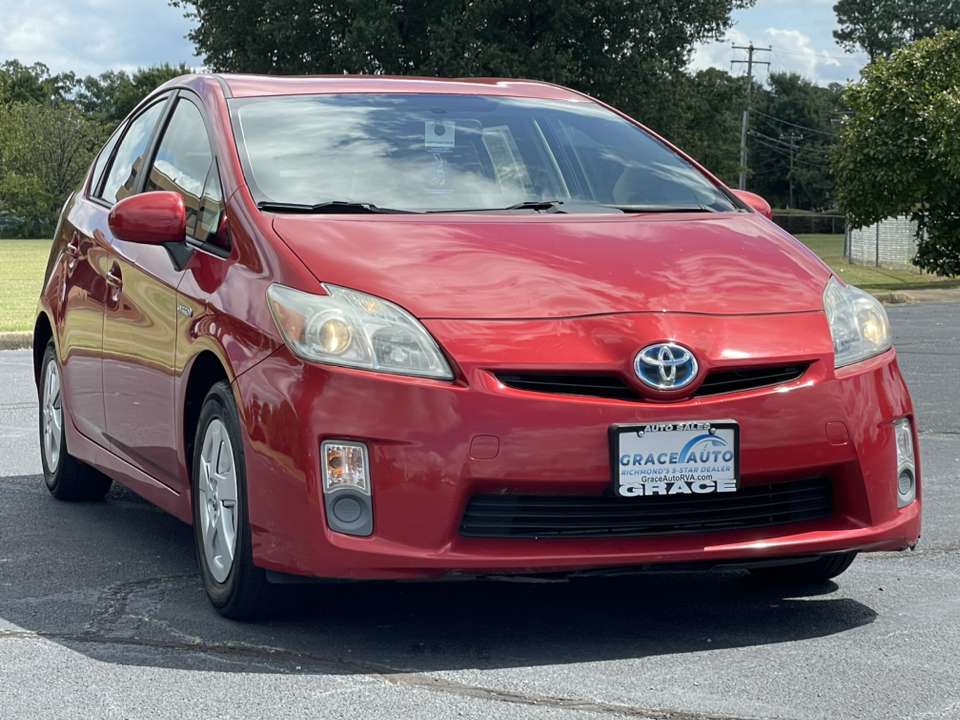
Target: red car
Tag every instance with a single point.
(367, 327)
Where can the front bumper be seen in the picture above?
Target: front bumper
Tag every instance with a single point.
(433, 445)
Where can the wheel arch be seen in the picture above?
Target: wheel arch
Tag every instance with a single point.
(205, 371)
(42, 334)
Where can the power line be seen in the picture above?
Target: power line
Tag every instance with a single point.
(786, 153)
(843, 59)
(818, 149)
(820, 154)
(799, 127)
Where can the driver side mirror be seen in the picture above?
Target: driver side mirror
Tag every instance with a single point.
(755, 203)
(152, 218)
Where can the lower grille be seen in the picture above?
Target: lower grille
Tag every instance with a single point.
(544, 516)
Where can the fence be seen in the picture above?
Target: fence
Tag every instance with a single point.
(803, 223)
(891, 244)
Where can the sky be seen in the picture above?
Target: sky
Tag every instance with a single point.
(799, 34)
(88, 37)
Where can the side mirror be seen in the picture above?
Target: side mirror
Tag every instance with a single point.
(756, 203)
(152, 218)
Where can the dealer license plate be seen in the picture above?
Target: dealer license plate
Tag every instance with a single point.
(677, 458)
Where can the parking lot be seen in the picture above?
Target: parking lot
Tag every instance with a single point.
(102, 614)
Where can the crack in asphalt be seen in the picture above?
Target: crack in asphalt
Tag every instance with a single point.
(383, 673)
(111, 606)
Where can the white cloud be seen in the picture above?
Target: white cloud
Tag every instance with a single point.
(799, 34)
(718, 54)
(90, 36)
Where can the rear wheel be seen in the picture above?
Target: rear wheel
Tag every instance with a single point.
(236, 588)
(806, 573)
(67, 478)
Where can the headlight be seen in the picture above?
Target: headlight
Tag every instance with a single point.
(357, 330)
(858, 323)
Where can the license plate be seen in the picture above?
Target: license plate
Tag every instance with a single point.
(678, 458)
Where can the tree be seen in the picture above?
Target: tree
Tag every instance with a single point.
(33, 83)
(791, 140)
(878, 27)
(111, 96)
(900, 153)
(701, 114)
(44, 152)
(621, 51)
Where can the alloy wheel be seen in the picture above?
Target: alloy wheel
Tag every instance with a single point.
(52, 410)
(217, 490)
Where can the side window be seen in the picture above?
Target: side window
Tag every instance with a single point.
(211, 211)
(183, 159)
(122, 177)
(103, 158)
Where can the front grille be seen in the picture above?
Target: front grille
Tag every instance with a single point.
(551, 516)
(602, 386)
(717, 382)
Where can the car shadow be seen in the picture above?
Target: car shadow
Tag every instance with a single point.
(117, 581)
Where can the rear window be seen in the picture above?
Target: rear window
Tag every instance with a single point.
(459, 152)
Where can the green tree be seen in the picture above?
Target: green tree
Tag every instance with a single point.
(44, 152)
(621, 51)
(878, 27)
(112, 95)
(701, 114)
(33, 83)
(790, 141)
(900, 153)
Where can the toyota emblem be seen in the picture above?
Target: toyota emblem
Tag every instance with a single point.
(666, 366)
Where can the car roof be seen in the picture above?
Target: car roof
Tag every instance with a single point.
(244, 86)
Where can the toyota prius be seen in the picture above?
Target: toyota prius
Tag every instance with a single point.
(396, 328)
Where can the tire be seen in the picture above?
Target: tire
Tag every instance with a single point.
(814, 572)
(236, 588)
(67, 478)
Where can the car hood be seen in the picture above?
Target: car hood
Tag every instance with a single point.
(550, 266)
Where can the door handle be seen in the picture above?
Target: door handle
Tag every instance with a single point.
(114, 278)
(73, 245)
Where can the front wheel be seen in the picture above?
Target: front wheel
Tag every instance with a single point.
(235, 586)
(807, 573)
(67, 478)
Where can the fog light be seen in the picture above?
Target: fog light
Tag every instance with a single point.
(906, 463)
(345, 466)
(905, 484)
(346, 487)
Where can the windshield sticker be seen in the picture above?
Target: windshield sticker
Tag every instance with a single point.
(507, 161)
(440, 133)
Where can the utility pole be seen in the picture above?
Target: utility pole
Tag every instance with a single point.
(750, 62)
(793, 144)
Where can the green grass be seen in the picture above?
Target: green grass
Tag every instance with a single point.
(22, 263)
(871, 279)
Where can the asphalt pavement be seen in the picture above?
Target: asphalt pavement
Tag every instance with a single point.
(102, 615)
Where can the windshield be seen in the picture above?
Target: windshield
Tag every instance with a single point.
(443, 153)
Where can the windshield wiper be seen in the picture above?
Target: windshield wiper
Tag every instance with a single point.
(663, 208)
(547, 206)
(340, 207)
